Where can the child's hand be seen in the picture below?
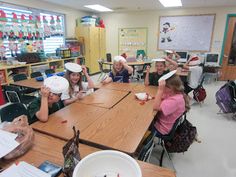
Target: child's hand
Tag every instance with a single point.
(80, 95)
(45, 91)
(148, 68)
(161, 85)
(84, 69)
(123, 62)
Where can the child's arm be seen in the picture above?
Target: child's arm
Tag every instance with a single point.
(107, 80)
(157, 101)
(127, 67)
(176, 55)
(90, 82)
(42, 114)
(186, 66)
(172, 62)
(146, 81)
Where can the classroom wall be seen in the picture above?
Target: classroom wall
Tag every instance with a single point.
(150, 19)
(70, 14)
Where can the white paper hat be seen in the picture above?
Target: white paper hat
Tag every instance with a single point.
(73, 67)
(169, 51)
(118, 59)
(158, 60)
(194, 60)
(56, 84)
(168, 75)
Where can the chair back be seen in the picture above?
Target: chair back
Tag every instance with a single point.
(12, 93)
(49, 71)
(19, 77)
(171, 134)
(147, 147)
(11, 111)
(100, 65)
(35, 74)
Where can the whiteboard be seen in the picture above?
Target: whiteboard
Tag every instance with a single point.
(191, 33)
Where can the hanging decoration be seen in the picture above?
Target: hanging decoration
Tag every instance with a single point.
(14, 32)
(39, 29)
(24, 30)
(3, 21)
(31, 28)
(58, 26)
(2, 51)
(52, 26)
(46, 27)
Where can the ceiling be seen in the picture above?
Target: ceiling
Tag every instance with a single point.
(132, 5)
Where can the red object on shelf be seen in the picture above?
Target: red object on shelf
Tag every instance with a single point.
(2, 100)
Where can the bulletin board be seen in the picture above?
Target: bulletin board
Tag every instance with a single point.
(131, 40)
(191, 33)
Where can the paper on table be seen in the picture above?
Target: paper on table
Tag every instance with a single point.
(7, 142)
(23, 169)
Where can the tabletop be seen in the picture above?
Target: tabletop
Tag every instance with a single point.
(117, 86)
(135, 63)
(30, 83)
(104, 98)
(48, 148)
(61, 122)
(122, 127)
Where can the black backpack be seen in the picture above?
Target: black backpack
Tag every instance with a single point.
(183, 138)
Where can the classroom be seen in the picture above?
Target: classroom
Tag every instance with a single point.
(117, 88)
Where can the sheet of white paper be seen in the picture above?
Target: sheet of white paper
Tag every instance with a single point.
(7, 142)
(23, 169)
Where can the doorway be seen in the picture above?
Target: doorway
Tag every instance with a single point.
(228, 71)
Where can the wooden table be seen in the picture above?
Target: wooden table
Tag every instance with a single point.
(78, 115)
(135, 63)
(30, 83)
(104, 98)
(151, 90)
(122, 127)
(49, 148)
(117, 86)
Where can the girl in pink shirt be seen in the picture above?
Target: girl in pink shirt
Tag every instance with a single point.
(170, 102)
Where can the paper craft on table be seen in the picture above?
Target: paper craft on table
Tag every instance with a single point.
(7, 142)
(23, 169)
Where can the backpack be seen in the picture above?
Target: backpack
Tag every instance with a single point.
(199, 94)
(225, 97)
(183, 138)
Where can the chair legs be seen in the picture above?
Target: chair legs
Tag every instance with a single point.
(168, 155)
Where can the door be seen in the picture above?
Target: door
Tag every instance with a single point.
(229, 55)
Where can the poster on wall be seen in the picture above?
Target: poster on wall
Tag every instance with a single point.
(181, 33)
(131, 40)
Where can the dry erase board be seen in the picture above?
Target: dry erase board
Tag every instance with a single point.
(131, 40)
(192, 33)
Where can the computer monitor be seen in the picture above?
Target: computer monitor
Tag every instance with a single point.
(212, 59)
(183, 56)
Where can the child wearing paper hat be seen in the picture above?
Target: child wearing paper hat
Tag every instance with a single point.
(160, 70)
(50, 101)
(195, 73)
(120, 71)
(77, 88)
(170, 102)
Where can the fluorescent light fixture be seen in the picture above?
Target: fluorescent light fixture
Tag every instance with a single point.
(17, 10)
(171, 3)
(99, 8)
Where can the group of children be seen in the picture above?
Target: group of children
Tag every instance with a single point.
(170, 102)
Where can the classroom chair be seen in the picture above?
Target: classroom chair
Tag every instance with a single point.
(15, 95)
(10, 111)
(169, 137)
(140, 52)
(25, 90)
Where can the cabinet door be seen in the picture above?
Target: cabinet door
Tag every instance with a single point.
(102, 42)
(94, 49)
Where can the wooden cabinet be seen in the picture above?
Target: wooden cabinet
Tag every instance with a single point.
(95, 45)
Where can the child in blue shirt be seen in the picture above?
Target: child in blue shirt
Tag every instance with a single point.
(120, 71)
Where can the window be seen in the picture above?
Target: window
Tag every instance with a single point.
(19, 26)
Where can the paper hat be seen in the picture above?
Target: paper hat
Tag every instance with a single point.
(56, 84)
(169, 51)
(118, 59)
(14, 17)
(194, 60)
(73, 67)
(168, 75)
(158, 60)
